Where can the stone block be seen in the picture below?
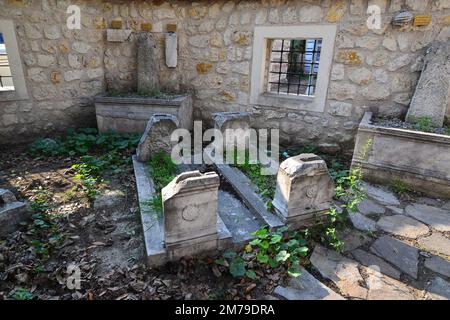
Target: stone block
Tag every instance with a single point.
(171, 50)
(304, 190)
(12, 213)
(156, 137)
(190, 209)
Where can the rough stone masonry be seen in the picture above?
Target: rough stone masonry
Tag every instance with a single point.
(65, 69)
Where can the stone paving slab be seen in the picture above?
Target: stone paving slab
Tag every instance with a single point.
(353, 239)
(396, 210)
(403, 226)
(436, 243)
(439, 265)
(381, 195)
(306, 287)
(439, 289)
(434, 217)
(368, 206)
(362, 223)
(342, 271)
(382, 287)
(369, 260)
(401, 255)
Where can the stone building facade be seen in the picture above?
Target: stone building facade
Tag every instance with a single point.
(64, 69)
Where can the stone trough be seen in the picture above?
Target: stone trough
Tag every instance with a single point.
(131, 114)
(419, 159)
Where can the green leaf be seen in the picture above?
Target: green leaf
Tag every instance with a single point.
(229, 254)
(222, 262)
(262, 233)
(276, 238)
(262, 258)
(255, 242)
(294, 272)
(264, 245)
(237, 267)
(273, 263)
(282, 256)
(250, 274)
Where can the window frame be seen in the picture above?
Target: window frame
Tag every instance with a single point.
(20, 91)
(261, 55)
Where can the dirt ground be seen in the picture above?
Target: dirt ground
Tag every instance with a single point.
(103, 238)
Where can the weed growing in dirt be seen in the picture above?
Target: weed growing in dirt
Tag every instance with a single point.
(400, 187)
(269, 250)
(266, 184)
(162, 171)
(98, 154)
(423, 124)
(22, 294)
(45, 228)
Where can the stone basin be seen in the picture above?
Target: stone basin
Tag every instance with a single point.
(419, 159)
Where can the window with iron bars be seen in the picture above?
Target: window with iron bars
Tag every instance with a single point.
(293, 67)
(6, 80)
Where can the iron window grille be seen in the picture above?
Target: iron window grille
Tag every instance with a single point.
(5, 69)
(293, 67)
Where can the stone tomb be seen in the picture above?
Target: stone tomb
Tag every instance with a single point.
(304, 190)
(156, 137)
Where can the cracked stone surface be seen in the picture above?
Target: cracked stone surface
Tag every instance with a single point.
(371, 261)
(368, 206)
(401, 255)
(402, 226)
(439, 265)
(342, 271)
(382, 287)
(434, 217)
(362, 223)
(381, 195)
(436, 243)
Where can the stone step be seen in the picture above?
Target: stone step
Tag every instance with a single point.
(11, 215)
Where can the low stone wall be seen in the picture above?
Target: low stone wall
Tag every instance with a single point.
(419, 159)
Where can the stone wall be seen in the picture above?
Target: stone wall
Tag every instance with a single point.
(65, 69)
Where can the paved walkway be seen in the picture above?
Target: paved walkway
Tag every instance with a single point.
(396, 250)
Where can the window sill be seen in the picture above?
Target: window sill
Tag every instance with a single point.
(304, 103)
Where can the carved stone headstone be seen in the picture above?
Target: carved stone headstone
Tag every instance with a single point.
(190, 210)
(148, 68)
(235, 127)
(432, 95)
(156, 137)
(304, 190)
